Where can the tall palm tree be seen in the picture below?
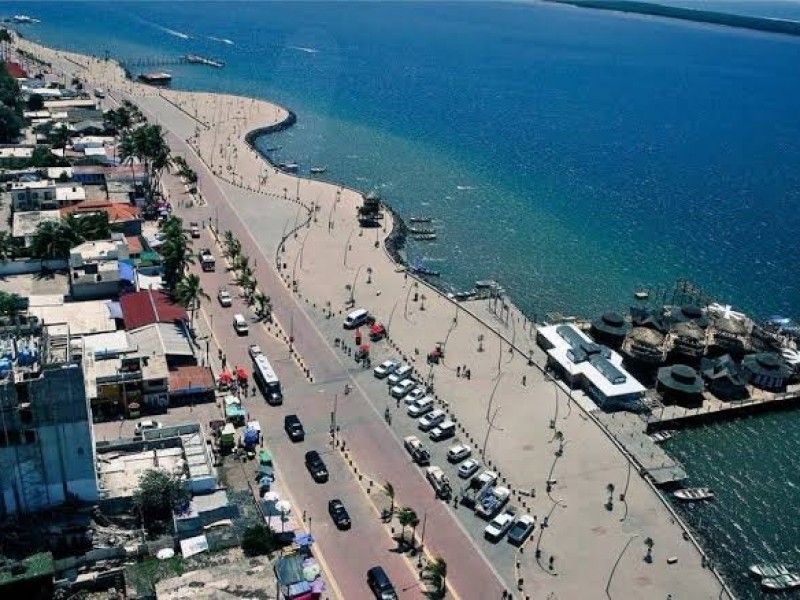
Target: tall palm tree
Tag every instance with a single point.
(52, 240)
(388, 489)
(127, 153)
(407, 518)
(649, 543)
(435, 574)
(189, 293)
(89, 227)
(242, 263)
(264, 303)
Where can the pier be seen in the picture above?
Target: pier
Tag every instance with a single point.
(166, 61)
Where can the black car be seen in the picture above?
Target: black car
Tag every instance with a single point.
(294, 428)
(316, 467)
(379, 583)
(339, 514)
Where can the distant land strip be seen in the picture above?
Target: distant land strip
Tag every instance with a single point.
(765, 24)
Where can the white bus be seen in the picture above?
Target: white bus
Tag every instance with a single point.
(267, 380)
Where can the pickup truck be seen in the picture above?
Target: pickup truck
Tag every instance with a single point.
(417, 450)
(440, 482)
(477, 486)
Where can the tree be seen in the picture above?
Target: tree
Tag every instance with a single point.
(189, 293)
(10, 125)
(158, 495)
(89, 227)
(12, 304)
(175, 251)
(59, 138)
(8, 246)
(35, 102)
(258, 540)
(148, 145)
(388, 489)
(649, 543)
(264, 303)
(9, 89)
(53, 240)
(435, 574)
(407, 518)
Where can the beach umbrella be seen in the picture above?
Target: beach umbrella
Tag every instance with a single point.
(283, 507)
(241, 372)
(363, 348)
(271, 497)
(225, 377)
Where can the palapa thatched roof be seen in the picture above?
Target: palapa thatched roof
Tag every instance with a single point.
(646, 336)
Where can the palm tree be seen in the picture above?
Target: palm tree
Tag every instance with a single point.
(649, 543)
(127, 153)
(59, 138)
(233, 247)
(388, 489)
(89, 227)
(264, 306)
(242, 263)
(8, 247)
(52, 240)
(407, 517)
(435, 574)
(189, 293)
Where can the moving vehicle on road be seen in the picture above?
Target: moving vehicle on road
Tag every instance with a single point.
(419, 453)
(207, 261)
(458, 453)
(521, 529)
(316, 466)
(294, 428)
(224, 297)
(443, 431)
(400, 373)
(339, 514)
(264, 375)
(148, 425)
(356, 318)
(420, 407)
(380, 584)
(468, 468)
(194, 229)
(240, 324)
(431, 420)
(499, 526)
(402, 388)
(385, 369)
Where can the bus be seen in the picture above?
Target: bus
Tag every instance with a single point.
(267, 380)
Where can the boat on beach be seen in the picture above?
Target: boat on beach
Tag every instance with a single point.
(662, 436)
(768, 570)
(781, 583)
(317, 170)
(693, 494)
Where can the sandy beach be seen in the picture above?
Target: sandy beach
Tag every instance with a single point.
(506, 405)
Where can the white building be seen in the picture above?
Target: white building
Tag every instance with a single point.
(594, 368)
(44, 195)
(94, 268)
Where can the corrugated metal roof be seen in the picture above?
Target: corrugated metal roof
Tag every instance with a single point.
(169, 339)
(150, 306)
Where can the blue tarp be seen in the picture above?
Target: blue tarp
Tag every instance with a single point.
(127, 272)
(114, 309)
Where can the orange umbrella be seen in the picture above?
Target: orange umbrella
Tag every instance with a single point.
(363, 348)
(225, 377)
(241, 372)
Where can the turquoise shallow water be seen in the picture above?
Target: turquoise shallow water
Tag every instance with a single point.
(573, 155)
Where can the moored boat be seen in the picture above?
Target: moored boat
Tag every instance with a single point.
(420, 220)
(425, 272)
(768, 570)
(421, 231)
(662, 436)
(318, 170)
(693, 494)
(289, 167)
(426, 237)
(273, 149)
(781, 583)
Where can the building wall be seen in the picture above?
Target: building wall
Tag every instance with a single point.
(95, 290)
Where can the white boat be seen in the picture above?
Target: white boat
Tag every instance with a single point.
(662, 436)
(693, 494)
(790, 581)
(318, 170)
(768, 570)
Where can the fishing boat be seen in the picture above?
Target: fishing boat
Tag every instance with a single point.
(693, 494)
(768, 570)
(420, 220)
(421, 231)
(289, 167)
(662, 436)
(425, 237)
(781, 583)
(318, 170)
(273, 149)
(196, 59)
(425, 271)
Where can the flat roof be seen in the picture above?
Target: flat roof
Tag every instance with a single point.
(602, 367)
(25, 223)
(91, 316)
(120, 472)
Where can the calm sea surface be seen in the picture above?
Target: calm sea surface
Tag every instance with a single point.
(572, 155)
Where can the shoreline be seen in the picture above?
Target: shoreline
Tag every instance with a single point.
(396, 229)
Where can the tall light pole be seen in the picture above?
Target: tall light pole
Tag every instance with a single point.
(353, 287)
(489, 430)
(619, 558)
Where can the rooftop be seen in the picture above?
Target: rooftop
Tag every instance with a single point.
(25, 223)
(148, 306)
(91, 316)
(106, 369)
(170, 339)
(117, 212)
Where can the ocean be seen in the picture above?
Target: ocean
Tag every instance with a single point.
(573, 155)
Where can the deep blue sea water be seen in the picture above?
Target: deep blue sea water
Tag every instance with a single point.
(573, 155)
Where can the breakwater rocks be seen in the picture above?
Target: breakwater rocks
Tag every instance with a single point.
(396, 240)
(251, 136)
(754, 23)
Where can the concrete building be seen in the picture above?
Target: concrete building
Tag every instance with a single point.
(24, 224)
(44, 195)
(582, 363)
(94, 268)
(46, 436)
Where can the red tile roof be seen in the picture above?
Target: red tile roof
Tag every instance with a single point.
(117, 213)
(135, 246)
(190, 379)
(15, 70)
(150, 306)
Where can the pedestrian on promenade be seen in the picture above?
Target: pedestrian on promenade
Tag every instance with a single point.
(524, 379)
(469, 375)
(458, 371)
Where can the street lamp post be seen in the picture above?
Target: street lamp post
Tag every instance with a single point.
(619, 558)
(353, 287)
(489, 430)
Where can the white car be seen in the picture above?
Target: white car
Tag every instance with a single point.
(224, 297)
(402, 388)
(458, 453)
(432, 419)
(499, 526)
(414, 395)
(254, 350)
(385, 369)
(148, 425)
(400, 373)
(420, 407)
(468, 468)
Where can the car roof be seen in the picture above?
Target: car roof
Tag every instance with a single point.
(312, 454)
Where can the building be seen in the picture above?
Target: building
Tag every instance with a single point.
(94, 268)
(594, 368)
(767, 371)
(24, 224)
(46, 436)
(681, 385)
(610, 329)
(149, 306)
(44, 195)
(121, 217)
(725, 379)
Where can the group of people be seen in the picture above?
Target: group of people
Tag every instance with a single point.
(463, 371)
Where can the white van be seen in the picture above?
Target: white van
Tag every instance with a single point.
(240, 324)
(356, 318)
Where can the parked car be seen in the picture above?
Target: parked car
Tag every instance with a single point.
(147, 425)
(420, 407)
(402, 388)
(224, 297)
(339, 514)
(294, 428)
(385, 369)
(499, 526)
(414, 395)
(521, 529)
(316, 466)
(400, 373)
(380, 584)
(468, 468)
(254, 350)
(431, 420)
(458, 453)
(443, 431)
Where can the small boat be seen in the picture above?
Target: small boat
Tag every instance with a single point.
(693, 494)
(196, 59)
(768, 570)
(420, 220)
(662, 436)
(641, 295)
(781, 583)
(289, 167)
(317, 170)
(273, 149)
(425, 237)
(425, 272)
(421, 230)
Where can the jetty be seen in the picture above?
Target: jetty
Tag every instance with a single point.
(166, 61)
